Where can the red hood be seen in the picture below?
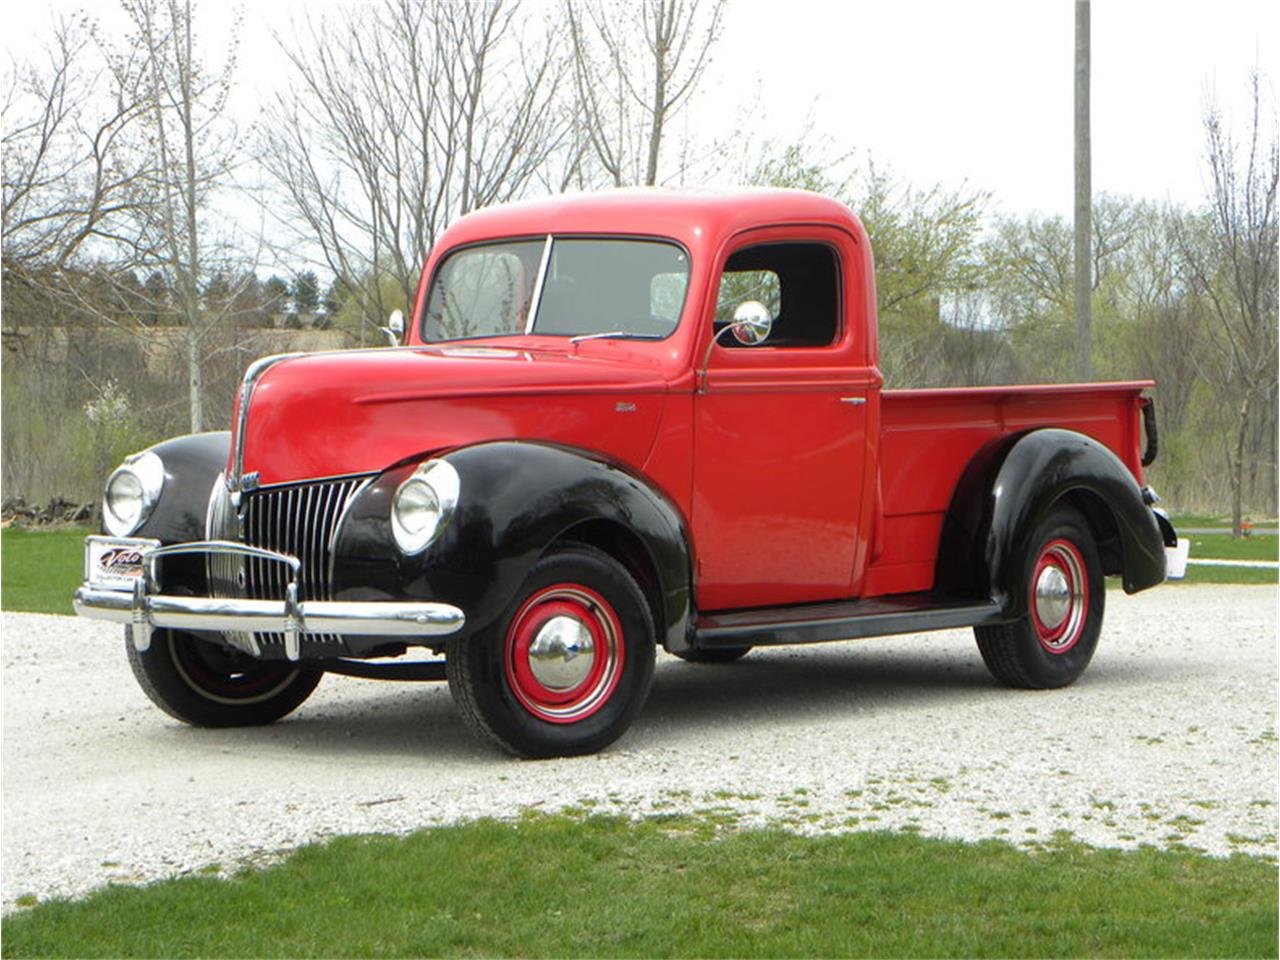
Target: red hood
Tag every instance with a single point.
(333, 414)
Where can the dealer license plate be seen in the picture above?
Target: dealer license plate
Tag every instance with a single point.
(114, 561)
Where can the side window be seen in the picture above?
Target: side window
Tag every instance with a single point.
(798, 282)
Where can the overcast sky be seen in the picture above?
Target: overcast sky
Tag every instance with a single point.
(982, 91)
(935, 91)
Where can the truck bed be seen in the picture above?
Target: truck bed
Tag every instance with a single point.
(929, 436)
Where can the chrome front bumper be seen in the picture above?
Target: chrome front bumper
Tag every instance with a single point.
(145, 610)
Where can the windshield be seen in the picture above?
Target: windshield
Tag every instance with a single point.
(570, 287)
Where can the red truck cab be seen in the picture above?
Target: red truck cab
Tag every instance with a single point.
(618, 420)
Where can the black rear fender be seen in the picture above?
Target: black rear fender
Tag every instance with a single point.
(1011, 484)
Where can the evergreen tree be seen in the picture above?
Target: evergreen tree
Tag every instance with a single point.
(306, 293)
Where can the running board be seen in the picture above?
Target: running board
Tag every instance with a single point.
(841, 620)
(371, 670)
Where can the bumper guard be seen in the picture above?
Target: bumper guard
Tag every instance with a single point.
(145, 610)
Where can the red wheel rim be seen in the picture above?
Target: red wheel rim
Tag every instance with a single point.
(1059, 596)
(563, 654)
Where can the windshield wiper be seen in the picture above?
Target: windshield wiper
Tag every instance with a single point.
(614, 333)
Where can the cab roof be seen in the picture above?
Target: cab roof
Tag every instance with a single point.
(695, 217)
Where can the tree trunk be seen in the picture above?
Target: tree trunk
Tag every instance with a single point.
(1270, 448)
(659, 93)
(195, 381)
(1237, 468)
(1083, 200)
(195, 333)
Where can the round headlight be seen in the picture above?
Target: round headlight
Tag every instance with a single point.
(131, 493)
(423, 505)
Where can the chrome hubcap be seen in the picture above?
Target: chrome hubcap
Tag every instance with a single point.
(562, 653)
(1053, 597)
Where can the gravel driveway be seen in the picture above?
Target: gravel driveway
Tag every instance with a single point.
(1170, 737)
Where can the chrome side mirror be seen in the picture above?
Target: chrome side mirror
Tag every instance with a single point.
(394, 328)
(752, 323)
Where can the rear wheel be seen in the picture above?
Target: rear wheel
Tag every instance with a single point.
(568, 666)
(1065, 596)
(208, 685)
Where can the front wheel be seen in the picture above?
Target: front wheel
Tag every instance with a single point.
(567, 667)
(209, 685)
(1065, 596)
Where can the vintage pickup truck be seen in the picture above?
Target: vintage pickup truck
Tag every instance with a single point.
(617, 421)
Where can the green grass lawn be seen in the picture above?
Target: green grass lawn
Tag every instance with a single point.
(1221, 546)
(1240, 575)
(565, 886)
(41, 568)
(1217, 520)
(1200, 520)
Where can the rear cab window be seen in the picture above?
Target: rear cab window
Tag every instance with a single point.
(799, 283)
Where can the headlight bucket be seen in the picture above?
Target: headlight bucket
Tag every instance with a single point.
(423, 505)
(131, 493)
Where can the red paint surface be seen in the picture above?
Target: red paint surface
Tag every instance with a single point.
(790, 494)
(360, 411)
(929, 436)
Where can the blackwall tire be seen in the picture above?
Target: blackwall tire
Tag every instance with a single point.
(206, 685)
(528, 682)
(1065, 597)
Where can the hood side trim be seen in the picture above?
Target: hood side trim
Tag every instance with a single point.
(247, 385)
(439, 393)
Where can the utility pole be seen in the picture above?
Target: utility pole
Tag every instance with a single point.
(1084, 201)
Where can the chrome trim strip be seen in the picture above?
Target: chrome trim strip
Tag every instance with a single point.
(251, 377)
(211, 509)
(220, 546)
(351, 618)
(334, 478)
(538, 283)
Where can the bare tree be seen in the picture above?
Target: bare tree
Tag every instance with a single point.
(71, 172)
(1165, 313)
(1231, 262)
(193, 150)
(636, 64)
(406, 114)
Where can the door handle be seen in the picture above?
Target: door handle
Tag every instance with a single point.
(855, 401)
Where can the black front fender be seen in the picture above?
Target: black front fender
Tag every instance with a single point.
(191, 464)
(1008, 488)
(516, 500)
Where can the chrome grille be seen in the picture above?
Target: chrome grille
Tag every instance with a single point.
(299, 520)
